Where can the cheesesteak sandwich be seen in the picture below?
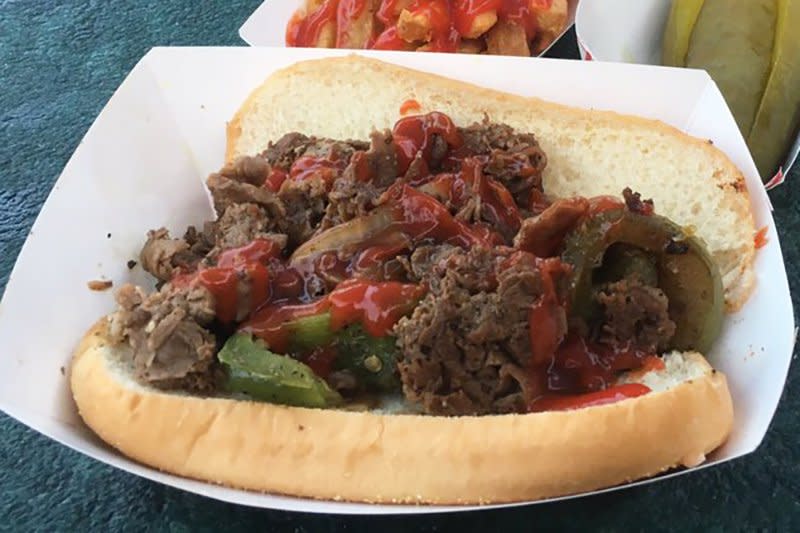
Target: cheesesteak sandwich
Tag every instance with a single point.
(498, 299)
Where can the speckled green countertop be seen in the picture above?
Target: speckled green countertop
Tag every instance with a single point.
(59, 64)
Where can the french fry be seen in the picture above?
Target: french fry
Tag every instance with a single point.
(299, 31)
(481, 24)
(413, 27)
(354, 29)
(551, 22)
(471, 46)
(327, 36)
(389, 11)
(507, 39)
(389, 40)
(392, 24)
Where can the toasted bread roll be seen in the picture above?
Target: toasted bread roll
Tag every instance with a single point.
(375, 457)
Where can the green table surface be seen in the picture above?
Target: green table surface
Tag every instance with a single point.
(60, 61)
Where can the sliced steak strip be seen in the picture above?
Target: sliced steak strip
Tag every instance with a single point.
(227, 191)
(162, 255)
(305, 202)
(240, 224)
(171, 347)
(285, 150)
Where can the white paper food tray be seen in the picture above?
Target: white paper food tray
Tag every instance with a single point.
(267, 25)
(142, 165)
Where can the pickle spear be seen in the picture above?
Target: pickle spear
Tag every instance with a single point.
(732, 40)
(682, 18)
(686, 272)
(778, 116)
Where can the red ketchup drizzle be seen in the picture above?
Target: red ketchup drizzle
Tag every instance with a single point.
(494, 196)
(371, 259)
(269, 323)
(566, 402)
(409, 106)
(496, 200)
(412, 135)
(519, 12)
(583, 365)
(327, 168)
(466, 11)
(275, 179)
(258, 251)
(445, 41)
(415, 218)
(652, 363)
(443, 35)
(223, 284)
(422, 217)
(222, 281)
(321, 360)
(537, 202)
(760, 239)
(449, 20)
(547, 313)
(450, 186)
(360, 163)
(389, 10)
(389, 40)
(305, 31)
(601, 204)
(377, 306)
(347, 12)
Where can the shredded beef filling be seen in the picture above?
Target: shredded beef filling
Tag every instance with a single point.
(367, 175)
(167, 331)
(161, 255)
(240, 224)
(543, 234)
(635, 312)
(466, 345)
(515, 159)
(634, 202)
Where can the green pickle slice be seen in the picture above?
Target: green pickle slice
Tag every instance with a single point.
(254, 370)
(685, 271)
(682, 18)
(778, 116)
(733, 40)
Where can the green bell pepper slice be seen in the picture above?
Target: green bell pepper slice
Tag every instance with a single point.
(685, 271)
(254, 370)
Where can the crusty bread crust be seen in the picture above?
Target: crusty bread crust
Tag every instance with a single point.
(589, 152)
(370, 457)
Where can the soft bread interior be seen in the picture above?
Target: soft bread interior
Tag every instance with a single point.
(679, 367)
(371, 457)
(589, 152)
